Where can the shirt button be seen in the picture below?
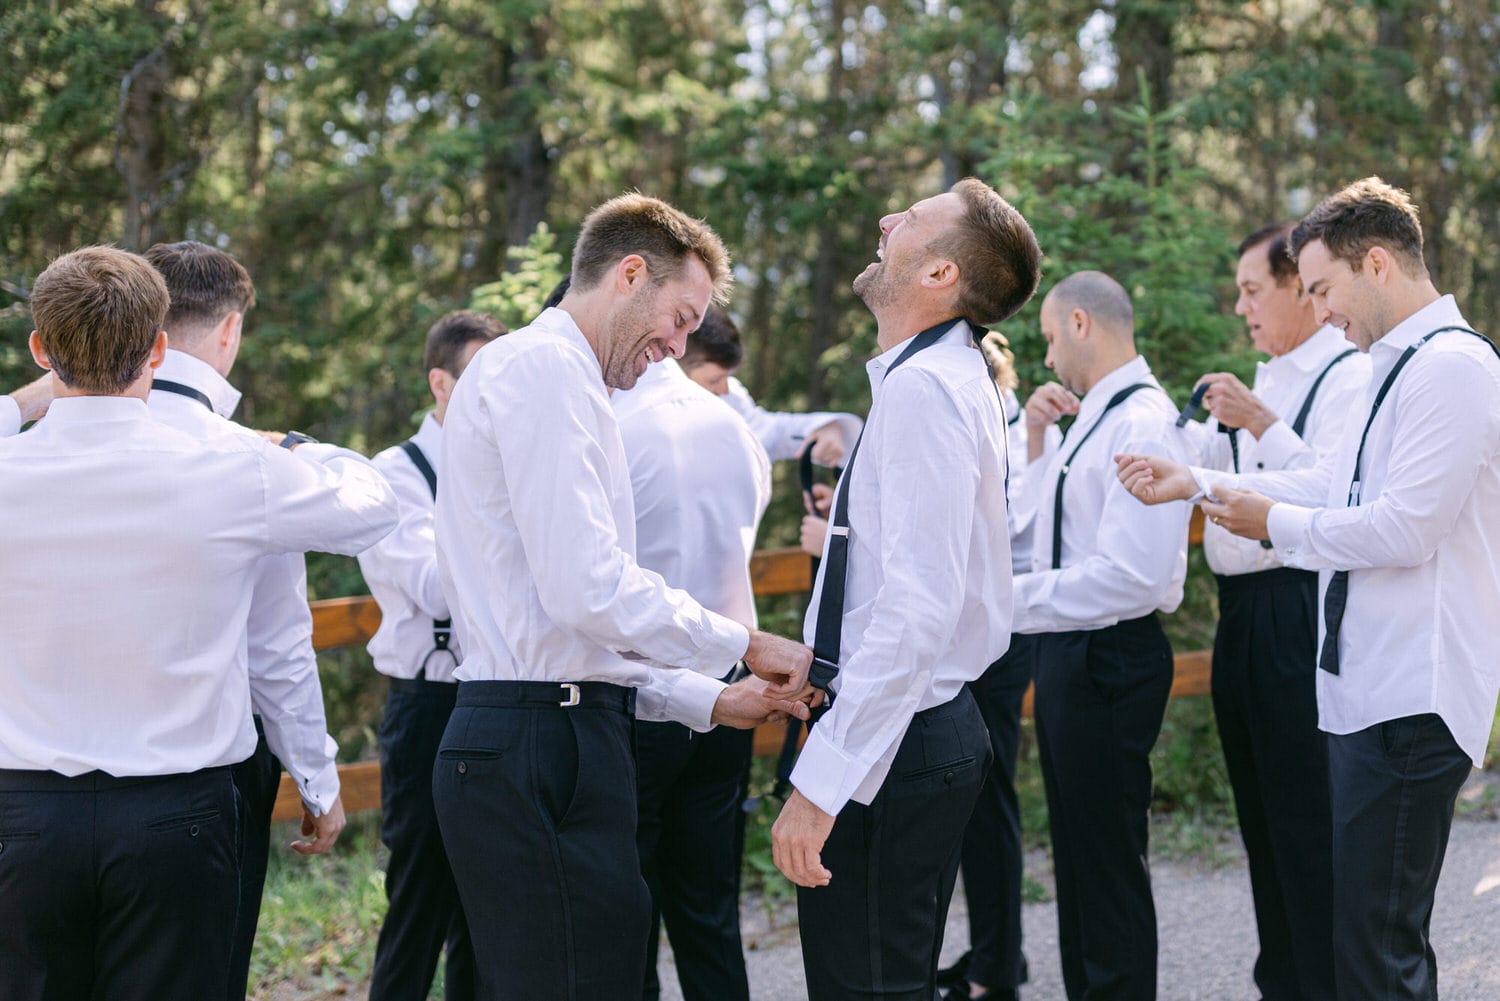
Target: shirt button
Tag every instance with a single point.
(948, 778)
(1260, 465)
(463, 768)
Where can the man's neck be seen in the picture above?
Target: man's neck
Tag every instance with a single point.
(1408, 302)
(1106, 364)
(897, 330)
(588, 311)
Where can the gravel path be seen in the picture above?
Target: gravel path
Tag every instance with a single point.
(1206, 929)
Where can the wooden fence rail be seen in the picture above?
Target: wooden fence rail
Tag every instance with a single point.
(341, 622)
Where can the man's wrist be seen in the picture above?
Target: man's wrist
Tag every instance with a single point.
(1260, 423)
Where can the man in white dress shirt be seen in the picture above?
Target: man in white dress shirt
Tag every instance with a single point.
(565, 637)
(701, 483)
(1265, 649)
(415, 648)
(1399, 522)
(210, 293)
(912, 601)
(130, 550)
(1103, 568)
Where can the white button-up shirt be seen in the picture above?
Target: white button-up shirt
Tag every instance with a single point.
(131, 554)
(10, 416)
(284, 686)
(1022, 510)
(1120, 559)
(927, 596)
(402, 570)
(783, 434)
(1421, 547)
(1282, 384)
(701, 482)
(536, 536)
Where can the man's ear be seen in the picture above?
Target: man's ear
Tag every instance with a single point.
(231, 328)
(1082, 323)
(441, 383)
(942, 274)
(158, 351)
(38, 353)
(1379, 262)
(631, 273)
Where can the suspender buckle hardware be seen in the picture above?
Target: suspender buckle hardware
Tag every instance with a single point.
(572, 698)
(839, 530)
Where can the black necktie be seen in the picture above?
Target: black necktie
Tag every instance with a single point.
(1336, 598)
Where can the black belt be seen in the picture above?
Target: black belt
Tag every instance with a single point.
(27, 780)
(1274, 577)
(548, 695)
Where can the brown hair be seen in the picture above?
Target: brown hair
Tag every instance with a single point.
(97, 313)
(659, 233)
(999, 261)
(206, 285)
(453, 332)
(1365, 214)
(716, 340)
(1275, 237)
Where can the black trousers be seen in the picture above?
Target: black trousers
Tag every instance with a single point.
(257, 779)
(876, 929)
(691, 791)
(1100, 697)
(991, 859)
(117, 889)
(1393, 786)
(537, 809)
(424, 914)
(1266, 705)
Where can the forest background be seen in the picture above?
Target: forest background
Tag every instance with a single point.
(375, 164)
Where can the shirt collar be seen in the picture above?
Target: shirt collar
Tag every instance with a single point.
(1442, 312)
(95, 410)
(561, 322)
(878, 366)
(179, 366)
(1094, 401)
(429, 438)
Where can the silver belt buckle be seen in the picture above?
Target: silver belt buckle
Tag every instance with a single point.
(572, 699)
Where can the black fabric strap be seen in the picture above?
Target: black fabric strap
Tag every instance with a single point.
(1336, 598)
(168, 386)
(1057, 500)
(828, 636)
(1300, 423)
(442, 629)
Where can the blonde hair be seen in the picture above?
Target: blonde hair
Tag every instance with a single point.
(1001, 360)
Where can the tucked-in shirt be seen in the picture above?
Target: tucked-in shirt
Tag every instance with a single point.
(927, 593)
(1282, 384)
(536, 536)
(783, 434)
(131, 551)
(402, 570)
(284, 686)
(1120, 559)
(1421, 547)
(10, 416)
(701, 482)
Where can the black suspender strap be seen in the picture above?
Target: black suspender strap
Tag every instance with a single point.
(168, 386)
(442, 629)
(1057, 500)
(829, 634)
(1300, 423)
(1337, 596)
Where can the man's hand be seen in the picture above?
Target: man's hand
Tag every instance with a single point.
(274, 437)
(814, 532)
(34, 398)
(822, 500)
(827, 444)
(782, 662)
(323, 830)
(1046, 406)
(1233, 405)
(797, 840)
(1154, 479)
(745, 705)
(1242, 512)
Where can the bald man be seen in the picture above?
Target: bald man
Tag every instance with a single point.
(1101, 574)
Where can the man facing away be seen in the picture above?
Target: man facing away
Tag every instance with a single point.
(415, 648)
(210, 293)
(1265, 648)
(565, 637)
(1399, 522)
(130, 553)
(1103, 568)
(701, 483)
(911, 602)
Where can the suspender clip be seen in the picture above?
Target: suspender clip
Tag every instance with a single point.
(839, 530)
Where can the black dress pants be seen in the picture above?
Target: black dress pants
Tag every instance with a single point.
(690, 800)
(1393, 786)
(1100, 697)
(424, 914)
(537, 809)
(991, 860)
(258, 779)
(876, 929)
(1266, 705)
(117, 889)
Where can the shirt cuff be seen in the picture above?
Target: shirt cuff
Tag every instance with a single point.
(10, 417)
(825, 774)
(319, 792)
(679, 695)
(1207, 478)
(1289, 527)
(1277, 446)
